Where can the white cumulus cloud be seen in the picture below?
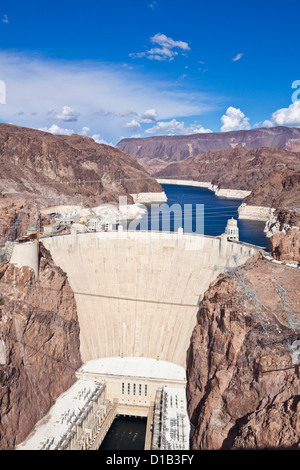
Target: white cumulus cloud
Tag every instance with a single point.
(67, 114)
(234, 120)
(85, 130)
(285, 116)
(132, 126)
(55, 129)
(149, 116)
(175, 127)
(99, 140)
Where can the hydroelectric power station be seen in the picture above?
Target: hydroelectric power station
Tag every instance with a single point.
(137, 296)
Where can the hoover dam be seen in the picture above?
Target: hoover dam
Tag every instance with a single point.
(137, 292)
(137, 296)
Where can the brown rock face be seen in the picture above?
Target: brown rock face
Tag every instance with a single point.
(55, 170)
(155, 153)
(243, 380)
(239, 168)
(277, 424)
(286, 247)
(39, 345)
(16, 215)
(281, 189)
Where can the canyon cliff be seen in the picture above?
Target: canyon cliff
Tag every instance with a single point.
(58, 169)
(39, 345)
(242, 365)
(240, 168)
(155, 153)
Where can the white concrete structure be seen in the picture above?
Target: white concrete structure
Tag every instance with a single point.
(94, 224)
(138, 293)
(133, 382)
(232, 230)
(26, 254)
(108, 387)
(52, 228)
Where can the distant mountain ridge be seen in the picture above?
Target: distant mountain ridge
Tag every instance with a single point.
(60, 169)
(155, 153)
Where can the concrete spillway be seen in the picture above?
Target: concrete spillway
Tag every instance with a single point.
(137, 293)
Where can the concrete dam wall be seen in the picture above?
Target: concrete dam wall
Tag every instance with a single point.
(138, 293)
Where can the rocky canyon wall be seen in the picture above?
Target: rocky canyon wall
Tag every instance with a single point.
(286, 247)
(242, 365)
(39, 345)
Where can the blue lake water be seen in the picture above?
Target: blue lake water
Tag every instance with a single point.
(199, 210)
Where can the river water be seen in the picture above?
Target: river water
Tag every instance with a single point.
(125, 433)
(199, 210)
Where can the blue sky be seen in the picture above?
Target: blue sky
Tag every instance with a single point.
(128, 68)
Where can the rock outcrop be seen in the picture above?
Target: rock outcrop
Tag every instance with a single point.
(39, 345)
(155, 153)
(242, 365)
(16, 215)
(281, 188)
(286, 247)
(58, 169)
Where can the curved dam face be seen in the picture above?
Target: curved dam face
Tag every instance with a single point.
(137, 293)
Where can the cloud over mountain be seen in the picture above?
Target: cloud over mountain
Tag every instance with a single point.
(234, 120)
(285, 116)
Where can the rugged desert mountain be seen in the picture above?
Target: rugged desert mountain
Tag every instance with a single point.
(242, 366)
(55, 170)
(39, 345)
(239, 168)
(155, 153)
(280, 189)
